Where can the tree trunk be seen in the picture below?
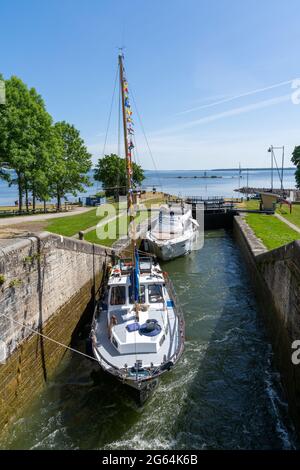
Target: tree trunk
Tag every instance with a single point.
(58, 202)
(26, 197)
(45, 209)
(20, 192)
(33, 200)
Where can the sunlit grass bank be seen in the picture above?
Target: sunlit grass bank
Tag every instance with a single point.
(271, 231)
(71, 225)
(294, 217)
(109, 233)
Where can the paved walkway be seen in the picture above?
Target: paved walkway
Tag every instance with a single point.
(19, 219)
(287, 222)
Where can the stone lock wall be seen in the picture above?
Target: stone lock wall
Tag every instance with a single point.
(276, 277)
(48, 283)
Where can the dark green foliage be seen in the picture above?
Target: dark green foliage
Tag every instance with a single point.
(296, 160)
(49, 160)
(111, 171)
(70, 162)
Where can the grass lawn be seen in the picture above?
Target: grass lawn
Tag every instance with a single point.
(116, 228)
(155, 200)
(252, 204)
(16, 208)
(272, 232)
(294, 217)
(71, 225)
(9, 208)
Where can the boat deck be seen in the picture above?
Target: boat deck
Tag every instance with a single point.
(113, 358)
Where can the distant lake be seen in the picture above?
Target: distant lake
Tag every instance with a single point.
(184, 183)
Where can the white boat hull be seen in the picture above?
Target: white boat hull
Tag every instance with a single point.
(139, 359)
(172, 234)
(170, 249)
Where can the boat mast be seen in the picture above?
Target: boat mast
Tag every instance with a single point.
(127, 154)
(129, 171)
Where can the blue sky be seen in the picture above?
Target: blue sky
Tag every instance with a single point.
(188, 62)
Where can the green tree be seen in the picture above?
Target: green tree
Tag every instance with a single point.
(24, 136)
(37, 178)
(111, 171)
(296, 160)
(3, 173)
(70, 162)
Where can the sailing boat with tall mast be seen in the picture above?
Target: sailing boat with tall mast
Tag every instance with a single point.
(138, 327)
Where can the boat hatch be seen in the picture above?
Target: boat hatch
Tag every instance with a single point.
(145, 265)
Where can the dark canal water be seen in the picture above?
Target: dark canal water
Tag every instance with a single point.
(224, 394)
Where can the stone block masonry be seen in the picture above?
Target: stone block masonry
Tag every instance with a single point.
(48, 282)
(276, 278)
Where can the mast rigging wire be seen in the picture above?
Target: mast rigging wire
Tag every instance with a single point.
(145, 137)
(110, 112)
(47, 337)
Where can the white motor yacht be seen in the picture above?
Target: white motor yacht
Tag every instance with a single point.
(173, 233)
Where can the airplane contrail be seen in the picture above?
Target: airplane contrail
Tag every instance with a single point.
(226, 100)
(231, 112)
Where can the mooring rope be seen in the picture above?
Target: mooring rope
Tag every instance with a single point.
(47, 337)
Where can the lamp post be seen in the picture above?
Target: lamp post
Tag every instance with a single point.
(282, 166)
(273, 159)
(270, 150)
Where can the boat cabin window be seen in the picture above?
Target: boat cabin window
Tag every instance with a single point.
(155, 293)
(118, 295)
(142, 298)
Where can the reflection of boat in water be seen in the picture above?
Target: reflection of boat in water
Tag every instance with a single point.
(173, 233)
(138, 328)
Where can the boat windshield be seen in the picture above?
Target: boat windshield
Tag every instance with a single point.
(155, 293)
(118, 295)
(142, 298)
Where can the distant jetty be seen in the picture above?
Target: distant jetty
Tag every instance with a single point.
(199, 177)
(280, 192)
(250, 169)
